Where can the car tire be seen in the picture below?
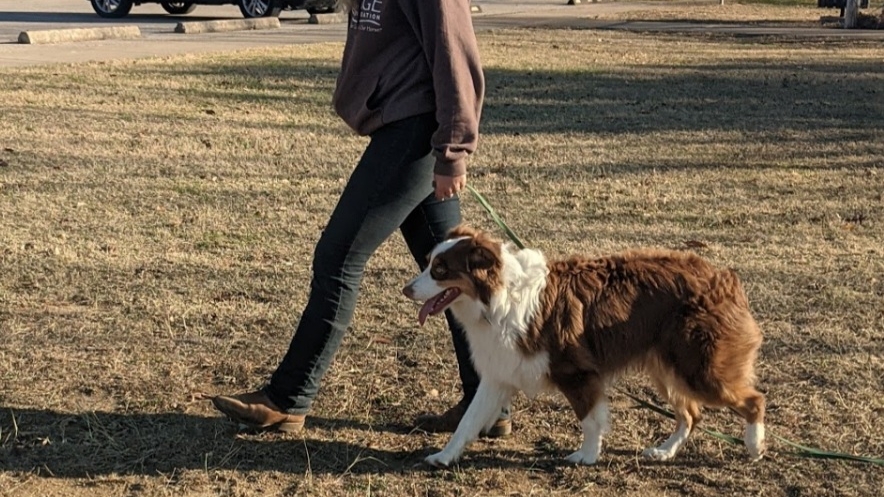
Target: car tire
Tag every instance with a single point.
(112, 9)
(320, 10)
(178, 8)
(259, 8)
(321, 6)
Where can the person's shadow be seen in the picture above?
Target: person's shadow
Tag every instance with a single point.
(76, 445)
(80, 445)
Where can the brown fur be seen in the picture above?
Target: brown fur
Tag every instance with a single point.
(477, 259)
(672, 314)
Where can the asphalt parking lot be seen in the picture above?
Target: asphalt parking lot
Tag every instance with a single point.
(17, 16)
(157, 30)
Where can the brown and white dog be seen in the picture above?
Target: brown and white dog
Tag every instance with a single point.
(576, 324)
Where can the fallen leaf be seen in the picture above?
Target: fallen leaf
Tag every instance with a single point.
(3, 163)
(210, 112)
(695, 244)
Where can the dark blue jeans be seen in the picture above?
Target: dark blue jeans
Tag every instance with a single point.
(391, 188)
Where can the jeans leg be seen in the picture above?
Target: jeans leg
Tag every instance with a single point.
(426, 226)
(393, 176)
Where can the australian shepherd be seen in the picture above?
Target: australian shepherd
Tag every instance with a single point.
(574, 325)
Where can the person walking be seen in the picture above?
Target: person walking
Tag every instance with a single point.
(412, 81)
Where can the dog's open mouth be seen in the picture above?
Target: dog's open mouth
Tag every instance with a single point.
(437, 304)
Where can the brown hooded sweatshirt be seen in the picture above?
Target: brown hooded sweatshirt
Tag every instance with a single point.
(408, 57)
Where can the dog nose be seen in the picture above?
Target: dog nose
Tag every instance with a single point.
(408, 292)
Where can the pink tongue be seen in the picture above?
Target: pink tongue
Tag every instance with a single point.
(427, 308)
(424, 312)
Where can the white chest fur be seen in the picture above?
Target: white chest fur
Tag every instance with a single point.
(507, 365)
(494, 331)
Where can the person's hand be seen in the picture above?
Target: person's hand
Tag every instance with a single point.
(449, 186)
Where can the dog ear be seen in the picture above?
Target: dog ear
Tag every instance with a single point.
(481, 257)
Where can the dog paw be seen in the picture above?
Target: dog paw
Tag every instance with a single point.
(439, 460)
(754, 439)
(580, 458)
(756, 453)
(657, 454)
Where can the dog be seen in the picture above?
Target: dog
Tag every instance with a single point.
(576, 324)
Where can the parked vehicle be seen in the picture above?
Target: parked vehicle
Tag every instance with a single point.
(115, 9)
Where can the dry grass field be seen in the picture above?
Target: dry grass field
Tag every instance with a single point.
(157, 219)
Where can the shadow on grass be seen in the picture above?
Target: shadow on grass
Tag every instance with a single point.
(727, 22)
(66, 445)
(765, 96)
(750, 97)
(81, 445)
(756, 96)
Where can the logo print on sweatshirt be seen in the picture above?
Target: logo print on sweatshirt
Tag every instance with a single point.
(368, 16)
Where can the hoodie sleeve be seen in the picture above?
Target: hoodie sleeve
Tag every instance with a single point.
(445, 28)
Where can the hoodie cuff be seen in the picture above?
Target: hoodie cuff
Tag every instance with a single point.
(448, 168)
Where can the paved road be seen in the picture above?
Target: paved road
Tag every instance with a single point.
(160, 40)
(23, 15)
(156, 27)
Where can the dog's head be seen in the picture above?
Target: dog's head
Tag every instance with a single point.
(467, 265)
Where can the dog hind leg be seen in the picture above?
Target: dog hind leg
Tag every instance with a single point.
(687, 414)
(751, 407)
(731, 379)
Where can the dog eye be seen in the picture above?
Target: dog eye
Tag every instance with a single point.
(439, 271)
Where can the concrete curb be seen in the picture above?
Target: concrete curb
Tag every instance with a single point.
(220, 26)
(47, 36)
(328, 18)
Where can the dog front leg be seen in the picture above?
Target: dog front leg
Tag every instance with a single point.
(483, 410)
(586, 394)
(594, 425)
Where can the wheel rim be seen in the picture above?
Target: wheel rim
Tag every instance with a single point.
(256, 8)
(177, 5)
(109, 5)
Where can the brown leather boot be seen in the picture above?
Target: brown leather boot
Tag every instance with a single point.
(255, 410)
(447, 422)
